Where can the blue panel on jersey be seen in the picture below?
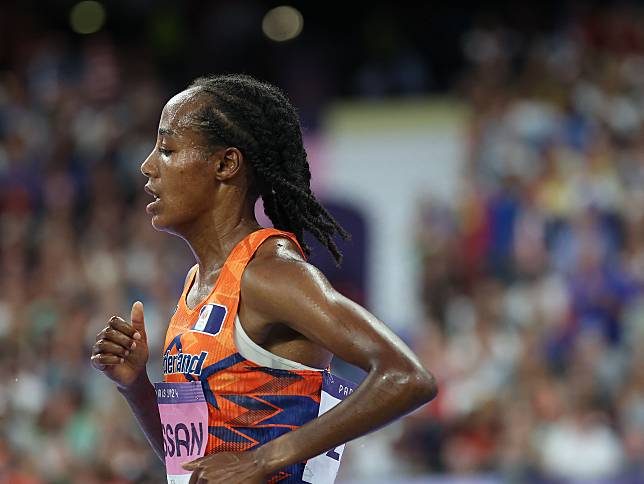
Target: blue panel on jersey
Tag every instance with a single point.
(231, 360)
(210, 370)
(295, 477)
(211, 317)
(227, 435)
(297, 410)
(209, 394)
(248, 402)
(266, 434)
(279, 373)
(262, 434)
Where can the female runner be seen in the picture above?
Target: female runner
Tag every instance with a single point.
(246, 357)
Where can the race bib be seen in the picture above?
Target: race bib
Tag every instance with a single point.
(184, 418)
(324, 468)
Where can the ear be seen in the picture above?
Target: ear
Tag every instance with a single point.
(228, 163)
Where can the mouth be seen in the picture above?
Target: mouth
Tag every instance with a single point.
(150, 191)
(150, 208)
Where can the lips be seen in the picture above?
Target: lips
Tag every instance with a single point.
(151, 191)
(151, 207)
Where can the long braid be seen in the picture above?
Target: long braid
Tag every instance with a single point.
(257, 118)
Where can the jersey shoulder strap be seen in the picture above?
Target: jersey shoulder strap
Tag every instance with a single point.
(243, 252)
(227, 289)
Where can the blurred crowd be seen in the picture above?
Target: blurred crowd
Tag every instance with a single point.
(76, 246)
(533, 279)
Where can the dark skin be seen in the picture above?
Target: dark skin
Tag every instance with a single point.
(287, 306)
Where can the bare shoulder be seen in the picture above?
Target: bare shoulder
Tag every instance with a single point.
(279, 248)
(277, 264)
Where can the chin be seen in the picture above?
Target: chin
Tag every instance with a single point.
(157, 223)
(162, 226)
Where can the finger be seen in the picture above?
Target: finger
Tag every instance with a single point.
(101, 334)
(95, 350)
(116, 336)
(121, 325)
(192, 465)
(106, 360)
(96, 364)
(109, 347)
(137, 318)
(194, 478)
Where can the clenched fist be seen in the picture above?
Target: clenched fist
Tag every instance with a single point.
(121, 348)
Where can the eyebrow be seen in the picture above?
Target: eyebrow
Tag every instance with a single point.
(166, 132)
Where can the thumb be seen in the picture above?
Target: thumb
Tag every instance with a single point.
(136, 316)
(191, 466)
(195, 464)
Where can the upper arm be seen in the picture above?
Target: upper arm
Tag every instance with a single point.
(297, 294)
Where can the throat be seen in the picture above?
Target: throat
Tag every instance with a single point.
(197, 293)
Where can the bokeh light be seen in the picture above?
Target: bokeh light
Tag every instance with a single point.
(282, 23)
(87, 17)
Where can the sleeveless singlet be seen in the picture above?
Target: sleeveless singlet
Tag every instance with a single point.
(248, 404)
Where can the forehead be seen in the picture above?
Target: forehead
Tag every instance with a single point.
(177, 113)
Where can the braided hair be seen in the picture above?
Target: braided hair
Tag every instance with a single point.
(258, 119)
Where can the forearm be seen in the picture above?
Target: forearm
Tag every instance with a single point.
(383, 397)
(143, 401)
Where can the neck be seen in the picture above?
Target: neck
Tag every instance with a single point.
(214, 236)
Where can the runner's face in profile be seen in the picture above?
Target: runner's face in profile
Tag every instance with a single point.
(181, 176)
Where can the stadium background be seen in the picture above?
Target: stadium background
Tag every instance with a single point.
(489, 161)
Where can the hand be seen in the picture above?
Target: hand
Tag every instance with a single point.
(227, 468)
(121, 349)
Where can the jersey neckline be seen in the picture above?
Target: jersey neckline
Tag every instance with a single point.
(184, 295)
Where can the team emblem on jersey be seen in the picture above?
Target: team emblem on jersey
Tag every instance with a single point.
(211, 318)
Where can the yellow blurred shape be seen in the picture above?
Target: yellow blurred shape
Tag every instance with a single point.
(282, 23)
(87, 17)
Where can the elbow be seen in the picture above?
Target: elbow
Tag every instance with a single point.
(425, 386)
(415, 384)
(432, 386)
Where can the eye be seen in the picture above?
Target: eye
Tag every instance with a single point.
(164, 151)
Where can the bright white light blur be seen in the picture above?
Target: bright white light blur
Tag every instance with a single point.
(282, 23)
(87, 17)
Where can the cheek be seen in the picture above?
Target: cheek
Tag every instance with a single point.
(192, 200)
(189, 190)
(180, 205)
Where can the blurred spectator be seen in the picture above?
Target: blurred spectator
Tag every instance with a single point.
(532, 279)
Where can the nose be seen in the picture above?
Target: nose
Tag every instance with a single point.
(147, 165)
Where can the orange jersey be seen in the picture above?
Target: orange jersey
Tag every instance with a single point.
(248, 404)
